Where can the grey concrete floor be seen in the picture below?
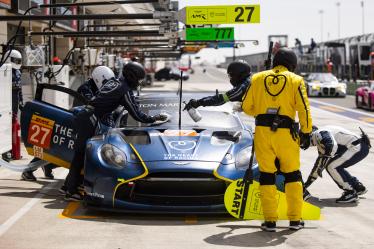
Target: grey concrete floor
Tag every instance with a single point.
(33, 215)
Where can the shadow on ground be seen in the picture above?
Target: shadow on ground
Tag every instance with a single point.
(255, 239)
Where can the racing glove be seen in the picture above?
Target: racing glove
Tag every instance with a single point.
(160, 117)
(237, 107)
(304, 140)
(193, 103)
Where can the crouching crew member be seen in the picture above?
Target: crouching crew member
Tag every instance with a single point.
(273, 99)
(339, 149)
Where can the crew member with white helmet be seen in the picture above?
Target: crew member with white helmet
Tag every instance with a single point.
(339, 149)
(15, 58)
(106, 93)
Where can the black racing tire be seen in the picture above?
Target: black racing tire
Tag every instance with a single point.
(370, 104)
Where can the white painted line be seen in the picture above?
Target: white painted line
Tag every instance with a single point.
(342, 116)
(344, 108)
(23, 210)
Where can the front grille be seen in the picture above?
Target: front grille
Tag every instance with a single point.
(332, 91)
(174, 189)
(329, 91)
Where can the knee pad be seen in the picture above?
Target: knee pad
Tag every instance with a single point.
(267, 178)
(294, 176)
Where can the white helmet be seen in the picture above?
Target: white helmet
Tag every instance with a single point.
(101, 73)
(15, 58)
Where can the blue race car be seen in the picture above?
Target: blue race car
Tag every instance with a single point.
(139, 167)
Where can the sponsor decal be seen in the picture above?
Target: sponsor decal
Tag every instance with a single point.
(182, 145)
(180, 156)
(63, 136)
(40, 131)
(158, 105)
(43, 131)
(238, 197)
(97, 195)
(38, 151)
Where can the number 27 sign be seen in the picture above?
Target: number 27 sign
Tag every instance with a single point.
(40, 131)
(223, 14)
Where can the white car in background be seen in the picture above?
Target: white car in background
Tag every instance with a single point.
(325, 85)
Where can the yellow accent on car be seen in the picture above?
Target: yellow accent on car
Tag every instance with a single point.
(50, 158)
(123, 181)
(215, 173)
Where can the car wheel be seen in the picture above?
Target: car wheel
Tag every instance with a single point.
(370, 103)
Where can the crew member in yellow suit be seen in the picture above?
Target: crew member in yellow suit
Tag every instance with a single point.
(273, 99)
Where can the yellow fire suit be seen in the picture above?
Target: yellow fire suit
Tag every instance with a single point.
(278, 92)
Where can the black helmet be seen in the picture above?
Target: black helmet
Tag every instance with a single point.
(134, 73)
(285, 57)
(238, 71)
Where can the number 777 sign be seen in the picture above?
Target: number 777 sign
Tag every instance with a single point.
(220, 14)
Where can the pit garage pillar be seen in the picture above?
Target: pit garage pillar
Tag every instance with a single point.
(3, 29)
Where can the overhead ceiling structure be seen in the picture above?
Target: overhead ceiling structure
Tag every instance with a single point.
(108, 22)
(134, 44)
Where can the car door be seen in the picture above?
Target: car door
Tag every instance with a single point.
(50, 132)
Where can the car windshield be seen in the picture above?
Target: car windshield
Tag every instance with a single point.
(171, 106)
(323, 77)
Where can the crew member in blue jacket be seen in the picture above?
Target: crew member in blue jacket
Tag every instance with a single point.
(239, 73)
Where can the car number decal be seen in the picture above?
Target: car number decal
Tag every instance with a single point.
(40, 131)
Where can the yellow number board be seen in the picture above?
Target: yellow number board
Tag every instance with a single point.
(223, 14)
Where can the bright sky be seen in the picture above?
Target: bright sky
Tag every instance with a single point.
(295, 18)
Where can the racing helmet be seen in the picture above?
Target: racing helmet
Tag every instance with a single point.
(100, 74)
(238, 71)
(15, 58)
(285, 57)
(134, 74)
(314, 136)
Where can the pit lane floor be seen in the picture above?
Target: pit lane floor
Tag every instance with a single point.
(34, 216)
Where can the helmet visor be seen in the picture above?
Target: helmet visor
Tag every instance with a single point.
(16, 60)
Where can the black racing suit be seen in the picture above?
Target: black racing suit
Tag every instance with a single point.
(235, 94)
(112, 94)
(17, 97)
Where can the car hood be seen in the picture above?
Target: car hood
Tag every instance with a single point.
(325, 84)
(206, 146)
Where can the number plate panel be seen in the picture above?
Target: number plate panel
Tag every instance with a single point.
(223, 14)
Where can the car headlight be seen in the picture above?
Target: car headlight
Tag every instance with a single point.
(316, 87)
(243, 157)
(113, 156)
(342, 87)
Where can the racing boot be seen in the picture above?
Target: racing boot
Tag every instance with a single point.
(63, 190)
(296, 225)
(48, 172)
(269, 226)
(348, 196)
(73, 196)
(360, 188)
(28, 176)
